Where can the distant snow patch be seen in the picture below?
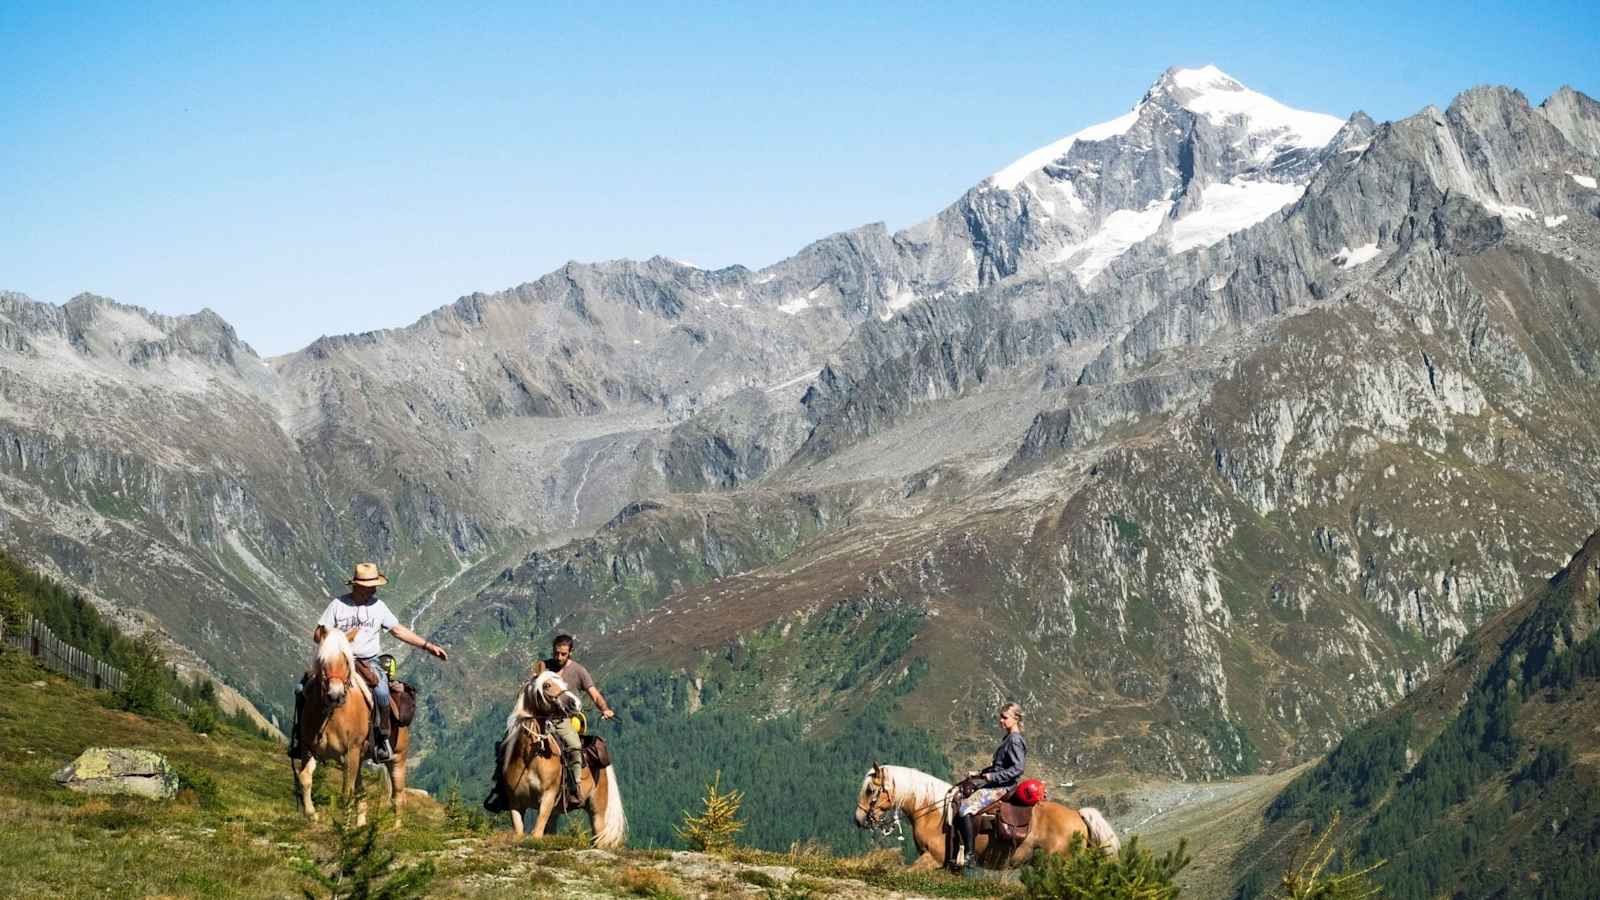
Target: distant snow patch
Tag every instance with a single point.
(901, 300)
(1349, 259)
(460, 366)
(1120, 230)
(1508, 211)
(1553, 221)
(1229, 207)
(1008, 178)
(802, 377)
(1583, 180)
(794, 306)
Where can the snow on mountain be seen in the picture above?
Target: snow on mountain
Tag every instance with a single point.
(1234, 205)
(1198, 158)
(1121, 230)
(1008, 178)
(1210, 92)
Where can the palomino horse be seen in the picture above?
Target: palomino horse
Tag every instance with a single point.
(532, 771)
(336, 723)
(889, 792)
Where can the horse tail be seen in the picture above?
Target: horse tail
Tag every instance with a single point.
(615, 826)
(1100, 831)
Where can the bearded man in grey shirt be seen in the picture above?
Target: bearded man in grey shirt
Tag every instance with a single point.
(578, 679)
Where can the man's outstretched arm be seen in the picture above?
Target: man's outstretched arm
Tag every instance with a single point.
(416, 640)
(605, 711)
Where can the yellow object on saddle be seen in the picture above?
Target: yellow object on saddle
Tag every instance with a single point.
(580, 724)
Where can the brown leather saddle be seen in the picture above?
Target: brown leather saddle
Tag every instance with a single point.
(596, 756)
(402, 698)
(1005, 820)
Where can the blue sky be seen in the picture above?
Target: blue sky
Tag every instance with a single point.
(307, 172)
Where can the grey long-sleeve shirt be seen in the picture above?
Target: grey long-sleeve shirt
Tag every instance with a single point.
(1006, 769)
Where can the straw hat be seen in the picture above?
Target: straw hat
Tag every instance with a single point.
(367, 575)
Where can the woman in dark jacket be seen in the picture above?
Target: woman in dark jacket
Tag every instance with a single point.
(979, 789)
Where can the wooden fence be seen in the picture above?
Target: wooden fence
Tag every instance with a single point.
(38, 641)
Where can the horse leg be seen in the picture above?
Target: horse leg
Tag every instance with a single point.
(516, 821)
(547, 805)
(302, 776)
(397, 788)
(352, 784)
(397, 773)
(926, 861)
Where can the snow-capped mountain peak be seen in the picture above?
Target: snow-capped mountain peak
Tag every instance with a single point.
(1221, 99)
(1199, 157)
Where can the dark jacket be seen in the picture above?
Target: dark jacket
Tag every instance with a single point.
(1006, 770)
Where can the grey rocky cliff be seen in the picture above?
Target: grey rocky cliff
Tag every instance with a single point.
(1239, 417)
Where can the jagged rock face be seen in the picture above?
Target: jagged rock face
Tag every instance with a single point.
(1268, 483)
(1199, 157)
(1215, 427)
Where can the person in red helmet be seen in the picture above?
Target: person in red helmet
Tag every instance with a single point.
(981, 788)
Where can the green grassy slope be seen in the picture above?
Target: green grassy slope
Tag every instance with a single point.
(234, 829)
(1486, 781)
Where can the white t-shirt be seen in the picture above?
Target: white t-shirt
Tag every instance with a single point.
(369, 617)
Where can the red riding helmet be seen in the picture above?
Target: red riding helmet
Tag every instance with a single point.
(1030, 792)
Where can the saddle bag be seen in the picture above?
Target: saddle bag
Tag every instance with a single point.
(1012, 821)
(402, 702)
(595, 753)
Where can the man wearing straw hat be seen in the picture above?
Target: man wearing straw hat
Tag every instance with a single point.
(361, 609)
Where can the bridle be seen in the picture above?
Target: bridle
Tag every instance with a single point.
(876, 818)
(324, 679)
(887, 821)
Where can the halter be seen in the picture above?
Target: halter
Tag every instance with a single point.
(874, 818)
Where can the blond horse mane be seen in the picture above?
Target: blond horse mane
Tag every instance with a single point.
(334, 647)
(911, 788)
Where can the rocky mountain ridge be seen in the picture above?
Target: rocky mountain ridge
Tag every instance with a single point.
(1191, 465)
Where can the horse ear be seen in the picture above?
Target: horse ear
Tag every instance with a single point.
(538, 667)
(877, 767)
(319, 634)
(351, 634)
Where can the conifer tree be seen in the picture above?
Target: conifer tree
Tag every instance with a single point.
(718, 822)
(1082, 873)
(1311, 880)
(360, 868)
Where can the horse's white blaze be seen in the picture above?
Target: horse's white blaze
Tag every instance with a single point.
(1100, 830)
(334, 647)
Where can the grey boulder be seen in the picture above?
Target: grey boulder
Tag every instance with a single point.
(116, 770)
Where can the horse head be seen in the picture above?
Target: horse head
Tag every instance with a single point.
(876, 800)
(334, 664)
(546, 694)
